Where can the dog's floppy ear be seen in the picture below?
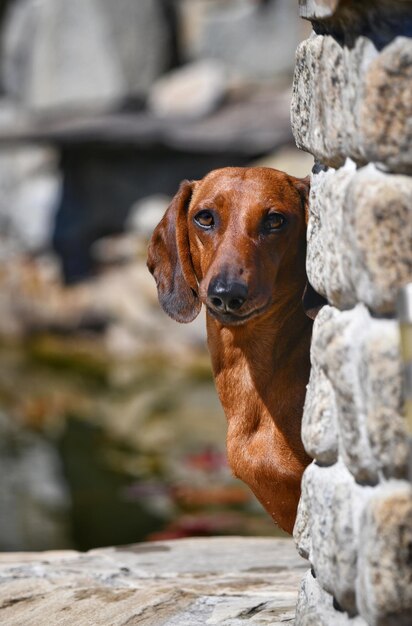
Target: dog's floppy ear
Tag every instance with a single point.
(170, 262)
(312, 301)
(303, 187)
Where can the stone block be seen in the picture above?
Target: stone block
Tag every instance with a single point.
(326, 88)
(380, 375)
(333, 349)
(302, 530)
(360, 236)
(386, 108)
(327, 528)
(319, 423)
(352, 101)
(315, 607)
(359, 355)
(384, 585)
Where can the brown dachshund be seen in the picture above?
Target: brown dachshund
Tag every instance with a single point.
(236, 242)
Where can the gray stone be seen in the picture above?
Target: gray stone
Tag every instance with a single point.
(302, 528)
(386, 108)
(319, 423)
(258, 41)
(324, 264)
(360, 357)
(326, 88)
(360, 236)
(58, 53)
(315, 607)
(33, 492)
(29, 189)
(338, 335)
(384, 583)
(192, 91)
(327, 528)
(190, 582)
(350, 101)
(141, 40)
(381, 381)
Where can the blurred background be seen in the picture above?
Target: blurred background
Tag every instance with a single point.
(110, 428)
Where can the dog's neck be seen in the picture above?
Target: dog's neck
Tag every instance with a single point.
(259, 368)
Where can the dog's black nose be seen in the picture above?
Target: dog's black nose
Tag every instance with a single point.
(224, 296)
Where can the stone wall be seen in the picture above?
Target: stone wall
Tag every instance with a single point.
(352, 109)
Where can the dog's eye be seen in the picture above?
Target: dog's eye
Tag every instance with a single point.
(274, 221)
(204, 219)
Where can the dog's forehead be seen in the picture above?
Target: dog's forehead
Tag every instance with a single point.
(258, 183)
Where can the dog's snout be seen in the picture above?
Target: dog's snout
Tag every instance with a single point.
(226, 296)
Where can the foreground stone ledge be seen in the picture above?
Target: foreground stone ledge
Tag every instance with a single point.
(352, 101)
(189, 582)
(360, 236)
(357, 370)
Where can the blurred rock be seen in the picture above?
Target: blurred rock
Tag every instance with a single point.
(32, 299)
(145, 214)
(118, 249)
(58, 53)
(83, 53)
(29, 190)
(258, 40)
(142, 41)
(33, 496)
(192, 91)
(288, 159)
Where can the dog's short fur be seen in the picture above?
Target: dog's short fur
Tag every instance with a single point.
(235, 241)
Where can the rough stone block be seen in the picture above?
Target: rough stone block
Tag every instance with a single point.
(380, 375)
(360, 236)
(315, 607)
(327, 528)
(326, 88)
(384, 585)
(352, 101)
(360, 357)
(319, 423)
(386, 108)
(302, 530)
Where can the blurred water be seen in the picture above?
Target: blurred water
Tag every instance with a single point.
(123, 458)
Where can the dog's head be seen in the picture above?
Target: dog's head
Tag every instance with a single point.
(234, 241)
